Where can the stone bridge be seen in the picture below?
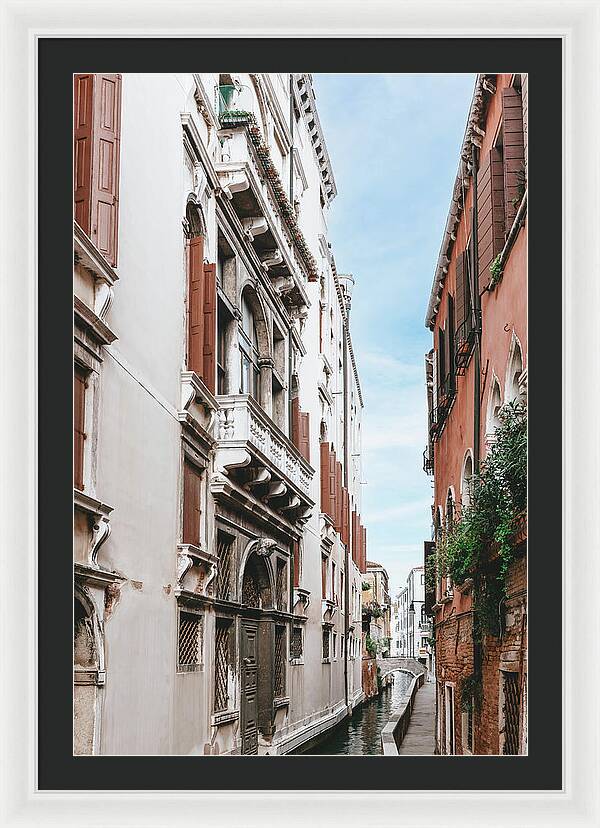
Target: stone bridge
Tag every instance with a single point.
(388, 665)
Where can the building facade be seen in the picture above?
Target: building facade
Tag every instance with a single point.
(218, 546)
(478, 317)
(377, 609)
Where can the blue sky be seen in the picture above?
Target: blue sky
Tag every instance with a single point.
(394, 143)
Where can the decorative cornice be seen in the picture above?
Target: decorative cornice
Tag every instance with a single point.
(92, 323)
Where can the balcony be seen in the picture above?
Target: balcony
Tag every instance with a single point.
(258, 465)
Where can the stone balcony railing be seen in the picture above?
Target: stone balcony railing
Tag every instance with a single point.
(255, 453)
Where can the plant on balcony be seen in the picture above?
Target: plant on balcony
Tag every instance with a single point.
(490, 522)
(366, 586)
(496, 270)
(371, 646)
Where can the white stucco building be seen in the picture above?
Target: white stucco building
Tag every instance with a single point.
(217, 414)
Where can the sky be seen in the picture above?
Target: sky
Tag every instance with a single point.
(394, 144)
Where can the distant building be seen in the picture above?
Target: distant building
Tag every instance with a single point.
(376, 608)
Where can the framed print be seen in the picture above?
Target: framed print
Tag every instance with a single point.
(318, 557)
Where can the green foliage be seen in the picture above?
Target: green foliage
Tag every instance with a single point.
(366, 586)
(371, 646)
(499, 496)
(496, 270)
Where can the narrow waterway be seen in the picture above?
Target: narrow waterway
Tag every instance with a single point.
(361, 734)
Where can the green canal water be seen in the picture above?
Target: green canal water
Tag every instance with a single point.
(360, 735)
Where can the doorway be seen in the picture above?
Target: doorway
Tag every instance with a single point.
(249, 662)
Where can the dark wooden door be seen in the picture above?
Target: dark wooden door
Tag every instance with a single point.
(249, 660)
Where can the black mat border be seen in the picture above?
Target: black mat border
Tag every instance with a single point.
(58, 59)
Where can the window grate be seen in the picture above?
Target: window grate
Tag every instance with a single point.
(224, 552)
(325, 643)
(189, 647)
(279, 677)
(296, 643)
(221, 665)
(280, 587)
(511, 713)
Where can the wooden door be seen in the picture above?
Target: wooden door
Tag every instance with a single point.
(249, 663)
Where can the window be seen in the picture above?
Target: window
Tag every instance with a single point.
(324, 561)
(326, 637)
(334, 645)
(450, 745)
(333, 582)
(281, 586)
(224, 554)
(296, 648)
(513, 385)
(189, 641)
(192, 477)
(79, 384)
(422, 579)
(222, 323)
(222, 633)
(248, 342)
(467, 728)
(466, 482)
(280, 659)
(510, 712)
(493, 412)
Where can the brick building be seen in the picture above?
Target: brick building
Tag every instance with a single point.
(478, 316)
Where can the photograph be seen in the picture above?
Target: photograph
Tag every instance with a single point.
(300, 462)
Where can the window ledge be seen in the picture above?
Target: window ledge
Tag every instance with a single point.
(282, 701)
(325, 661)
(224, 717)
(297, 662)
(93, 676)
(91, 258)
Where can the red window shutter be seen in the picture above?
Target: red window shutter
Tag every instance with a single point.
(325, 504)
(191, 503)
(105, 165)
(363, 547)
(97, 137)
(332, 487)
(460, 306)
(210, 326)
(490, 214)
(78, 425)
(345, 507)
(305, 435)
(513, 152)
(195, 360)
(83, 121)
(338, 498)
(296, 422)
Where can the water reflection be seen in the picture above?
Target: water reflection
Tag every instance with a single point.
(361, 735)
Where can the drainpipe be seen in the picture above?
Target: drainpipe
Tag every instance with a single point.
(476, 310)
(345, 328)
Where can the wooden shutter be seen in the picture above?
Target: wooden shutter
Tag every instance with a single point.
(83, 119)
(105, 165)
(78, 425)
(345, 517)
(196, 305)
(338, 498)
(461, 308)
(191, 503)
(513, 152)
(296, 422)
(325, 504)
(363, 549)
(490, 214)
(333, 499)
(450, 343)
(305, 435)
(210, 326)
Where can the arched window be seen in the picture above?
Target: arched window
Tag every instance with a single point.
(449, 511)
(494, 405)
(248, 340)
(512, 387)
(466, 483)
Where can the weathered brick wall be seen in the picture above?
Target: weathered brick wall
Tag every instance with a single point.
(508, 653)
(454, 662)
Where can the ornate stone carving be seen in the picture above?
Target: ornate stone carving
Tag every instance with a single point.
(103, 298)
(100, 532)
(184, 564)
(264, 546)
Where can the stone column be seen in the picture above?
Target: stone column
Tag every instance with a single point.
(265, 365)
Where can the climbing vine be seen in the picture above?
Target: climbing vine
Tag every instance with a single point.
(498, 503)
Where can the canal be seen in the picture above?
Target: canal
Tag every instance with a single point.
(360, 735)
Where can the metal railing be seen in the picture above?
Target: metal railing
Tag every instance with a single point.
(235, 104)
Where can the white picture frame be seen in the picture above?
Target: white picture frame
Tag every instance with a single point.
(578, 24)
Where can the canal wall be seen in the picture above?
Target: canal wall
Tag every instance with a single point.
(395, 730)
